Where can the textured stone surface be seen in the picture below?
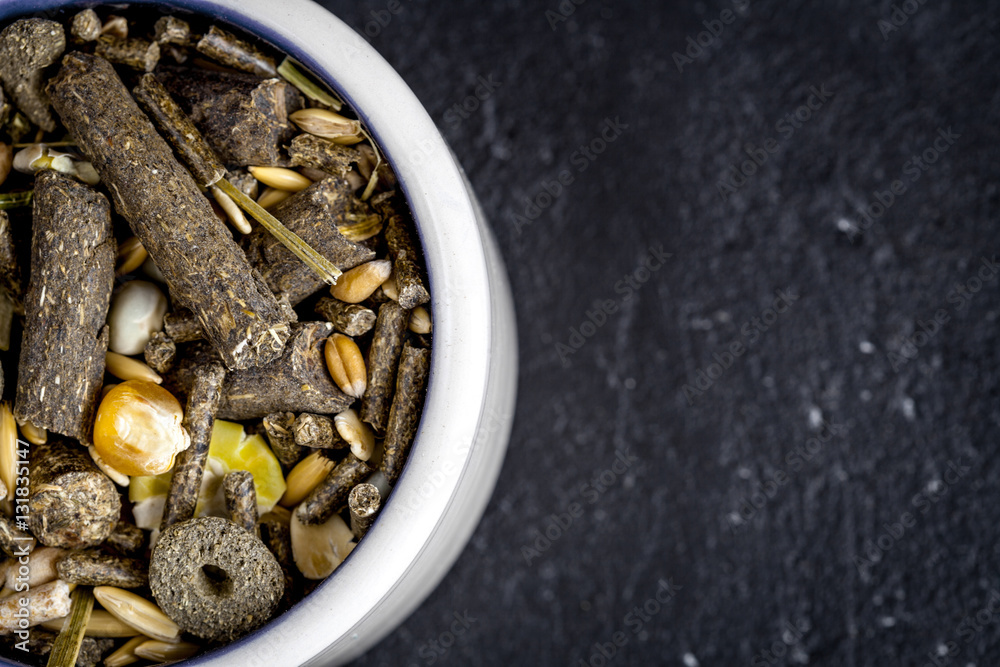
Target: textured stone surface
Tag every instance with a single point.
(825, 359)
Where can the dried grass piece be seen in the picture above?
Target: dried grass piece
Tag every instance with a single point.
(238, 312)
(63, 350)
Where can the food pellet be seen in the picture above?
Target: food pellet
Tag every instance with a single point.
(215, 579)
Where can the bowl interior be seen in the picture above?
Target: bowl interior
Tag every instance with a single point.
(449, 474)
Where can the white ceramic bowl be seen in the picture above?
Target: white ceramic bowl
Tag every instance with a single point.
(460, 445)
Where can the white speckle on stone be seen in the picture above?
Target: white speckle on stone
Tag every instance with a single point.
(630, 383)
(887, 621)
(934, 485)
(845, 225)
(866, 347)
(865, 395)
(909, 409)
(690, 660)
(942, 649)
(815, 417)
(743, 472)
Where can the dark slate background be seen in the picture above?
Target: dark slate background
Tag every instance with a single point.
(831, 496)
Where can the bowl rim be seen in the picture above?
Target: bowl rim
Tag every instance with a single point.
(448, 449)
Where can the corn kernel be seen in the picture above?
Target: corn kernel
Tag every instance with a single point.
(138, 428)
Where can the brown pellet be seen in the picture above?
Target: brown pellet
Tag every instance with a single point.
(364, 502)
(414, 368)
(331, 494)
(182, 326)
(27, 47)
(72, 504)
(127, 539)
(86, 26)
(350, 319)
(65, 340)
(92, 568)
(162, 203)
(298, 381)
(383, 357)
(15, 542)
(277, 536)
(172, 30)
(160, 352)
(406, 254)
(244, 119)
(199, 418)
(230, 50)
(10, 268)
(308, 150)
(214, 579)
(316, 432)
(178, 129)
(241, 499)
(135, 53)
(278, 427)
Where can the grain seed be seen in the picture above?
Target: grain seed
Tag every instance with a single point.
(389, 288)
(127, 368)
(6, 161)
(361, 282)
(357, 433)
(126, 654)
(131, 255)
(281, 178)
(233, 212)
(138, 612)
(420, 321)
(327, 124)
(34, 434)
(158, 651)
(101, 624)
(346, 364)
(8, 448)
(305, 477)
(121, 479)
(271, 197)
(319, 548)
